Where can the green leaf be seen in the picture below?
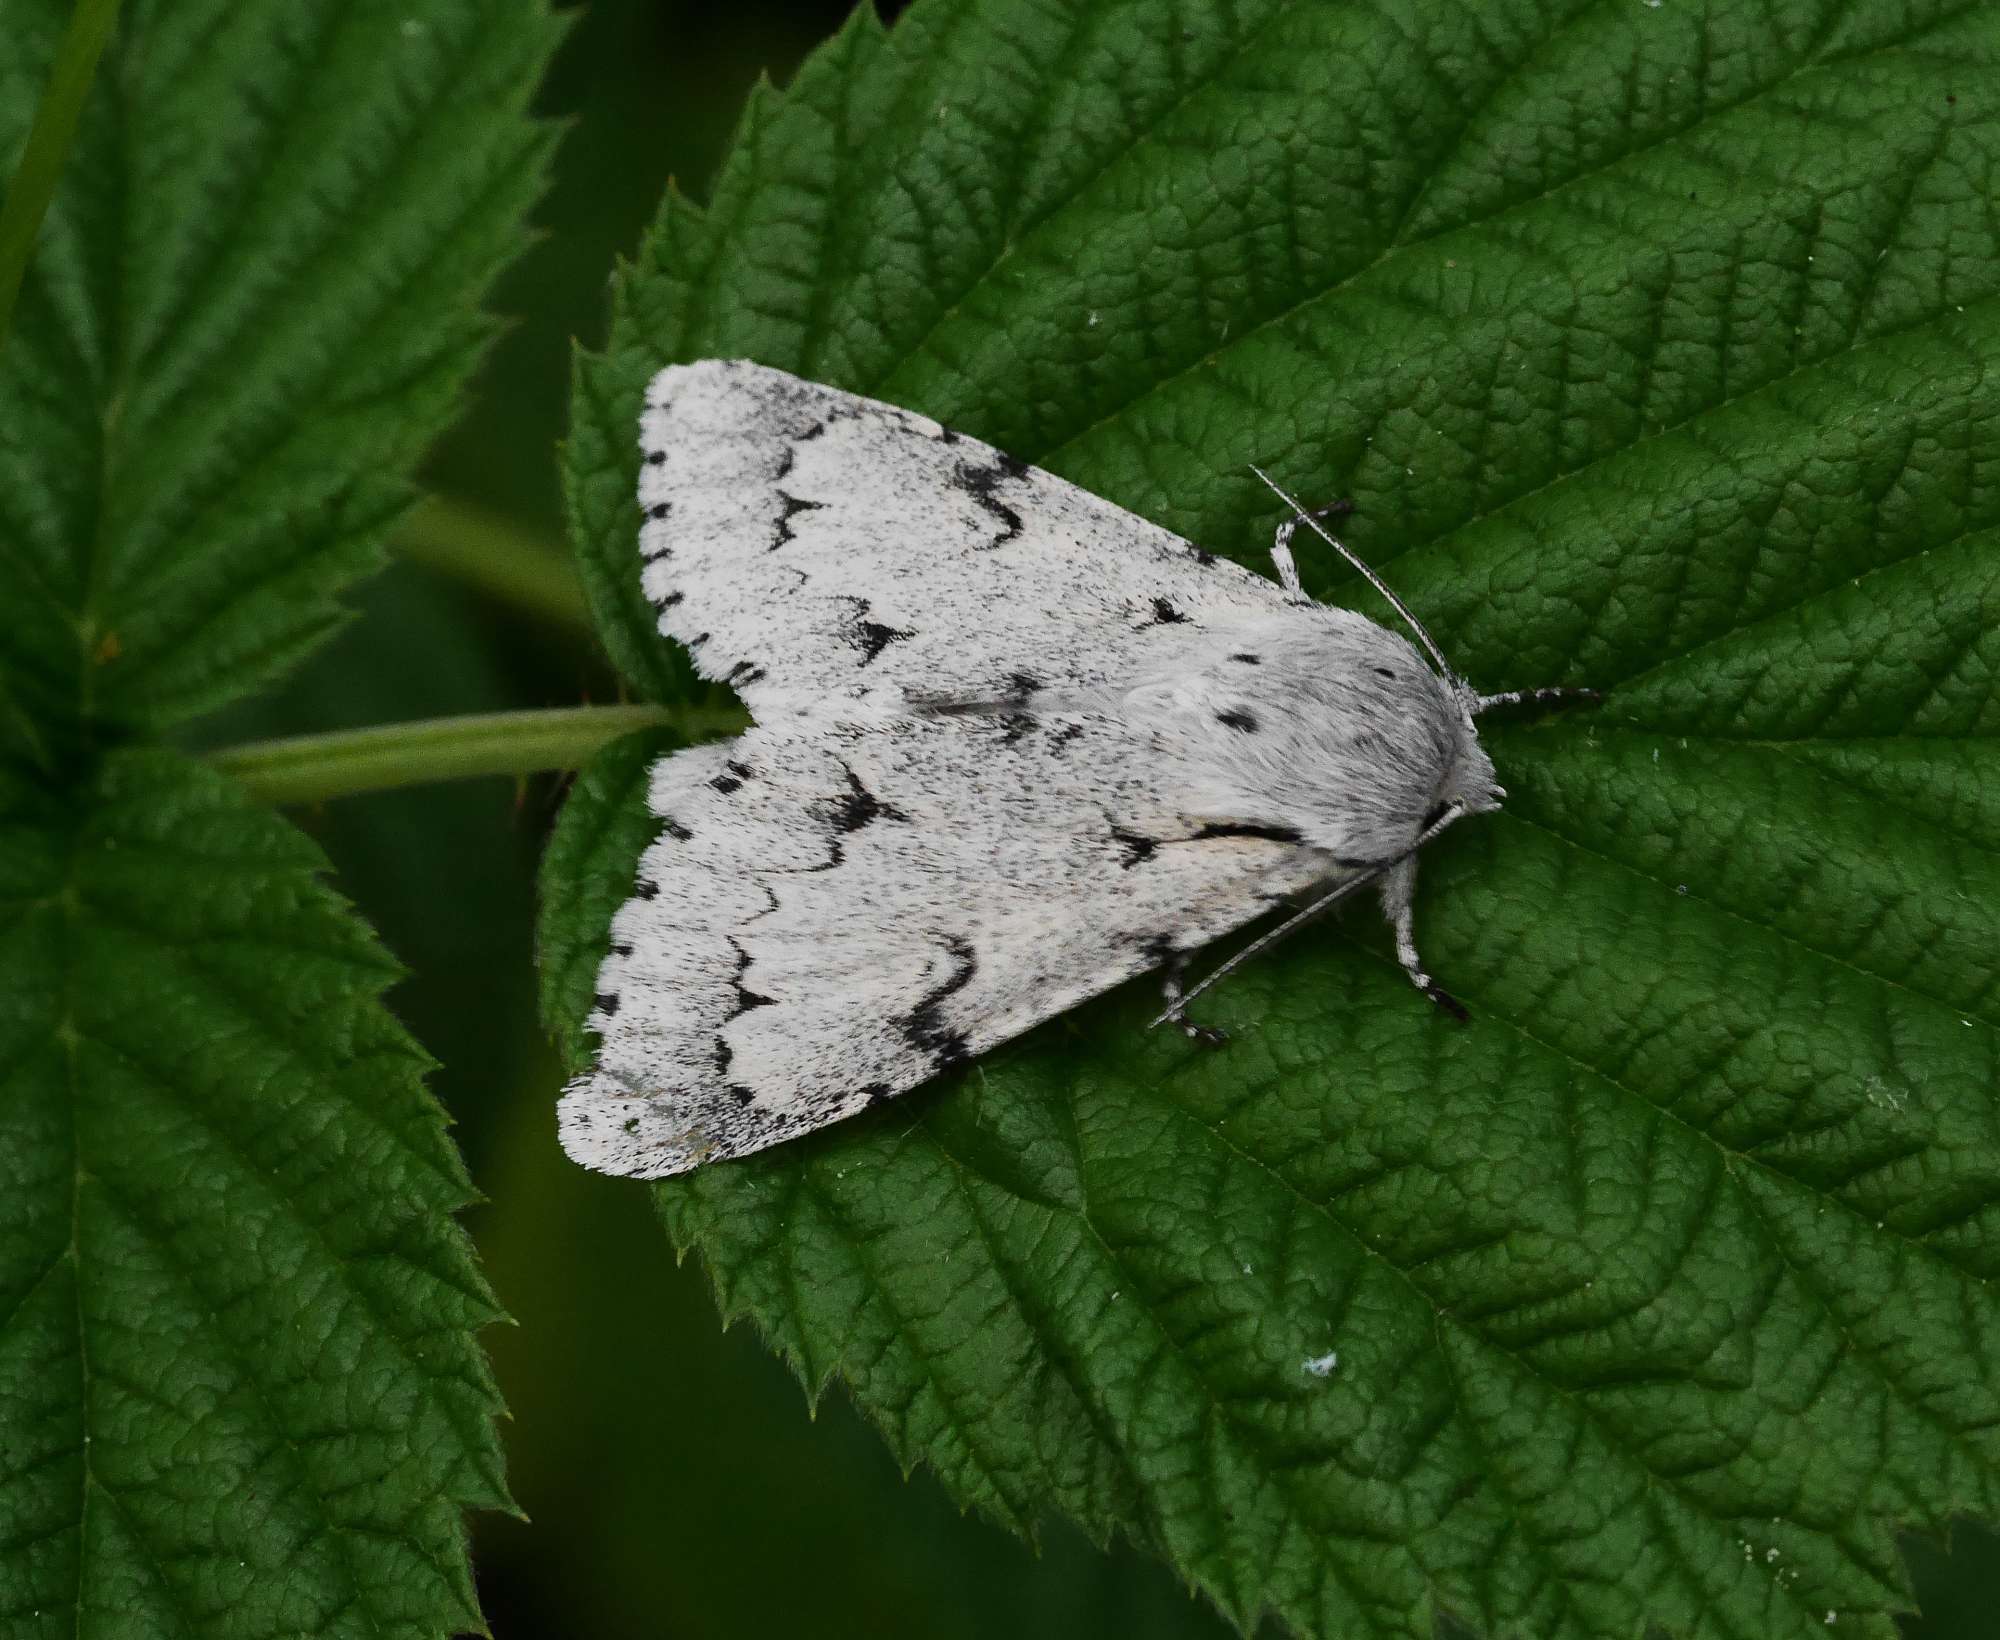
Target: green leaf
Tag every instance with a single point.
(1658, 348)
(251, 309)
(241, 1393)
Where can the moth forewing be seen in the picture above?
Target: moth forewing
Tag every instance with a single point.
(1013, 746)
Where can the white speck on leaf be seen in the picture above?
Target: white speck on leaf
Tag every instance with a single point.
(1320, 1366)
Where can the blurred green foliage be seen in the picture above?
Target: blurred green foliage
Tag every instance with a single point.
(674, 1483)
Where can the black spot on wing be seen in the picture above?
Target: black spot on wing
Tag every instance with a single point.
(656, 458)
(834, 416)
(983, 483)
(674, 829)
(924, 1027)
(647, 889)
(1023, 684)
(666, 601)
(848, 813)
(1063, 736)
(653, 546)
(725, 783)
(746, 999)
(607, 1002)
(1017, 726)
(1239, 718)
(860, 806)
(1247, 660)
(872, 637)
(1136, 848)
(1165, 614)
(877, 1093)
(1270, 834)
(793, 506)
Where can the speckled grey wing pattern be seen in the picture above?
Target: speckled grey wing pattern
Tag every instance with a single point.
(944, 828)
(829, 918)
(819, 551)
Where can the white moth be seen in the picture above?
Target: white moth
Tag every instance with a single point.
(1013, 746)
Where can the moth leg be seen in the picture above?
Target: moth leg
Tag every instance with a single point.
(1170, 987)
(1281, 549)
(1555, 698)
(1399, 885)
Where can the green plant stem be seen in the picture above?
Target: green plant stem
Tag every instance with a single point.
(348, 762)
(497, 558)
(42, 157)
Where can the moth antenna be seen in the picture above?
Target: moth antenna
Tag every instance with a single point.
(1437, 655)
(1326, 901)
(1298, 919)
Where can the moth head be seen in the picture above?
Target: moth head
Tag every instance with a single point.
(1467, 783)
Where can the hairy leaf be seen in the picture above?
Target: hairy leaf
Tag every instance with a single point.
(239, 1393)
(250, 309)
(1657, 346)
